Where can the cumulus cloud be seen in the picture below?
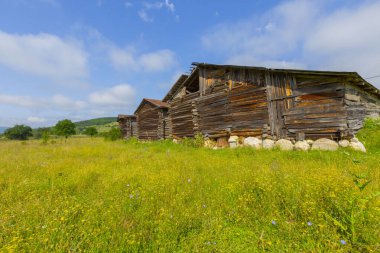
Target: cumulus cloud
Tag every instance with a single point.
(145, 17)
(33, 119)
(119, 95)
(159, 60)
(43, 55)
(316, 37)
(55, 102)
(143, 14)
(21, 101)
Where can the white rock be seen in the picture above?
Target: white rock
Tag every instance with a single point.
(284, 144)
(325, 144)
(253, 142)
(233, 138)
(310, 142)
(302, 145)
(358, 146)
(355, 140)
(268, 144)
(344, 143)
(233, 141)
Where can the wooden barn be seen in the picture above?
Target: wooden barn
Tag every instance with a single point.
(225, 100)
(128, 125)
(153, 120)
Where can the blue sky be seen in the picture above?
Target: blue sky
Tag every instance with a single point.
(92, 58)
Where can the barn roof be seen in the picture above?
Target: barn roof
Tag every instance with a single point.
(174, 88)
(155, 102)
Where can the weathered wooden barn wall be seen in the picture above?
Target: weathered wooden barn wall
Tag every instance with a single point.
(359, 105)
(250, 101)
(128, 125)
(147, 121)
(313, 107)
(183, 115)
(233, 102)
(153, 120)
(164, 125)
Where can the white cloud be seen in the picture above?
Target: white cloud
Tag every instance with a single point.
(304, 34)
(143, 14)
(33, 119)
(119, 95)
(22, 101)
(158, 5)
(63, 102)
(169, 5)
(158, 60)
(43, 55)
(128, 59)
(128, 4)
(55, 102)
(145, 17)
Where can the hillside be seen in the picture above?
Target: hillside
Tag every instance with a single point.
(101, 124)
(95, 122)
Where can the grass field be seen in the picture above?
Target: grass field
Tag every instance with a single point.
(99, 196)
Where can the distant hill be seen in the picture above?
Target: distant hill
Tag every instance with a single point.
(2, 129)
(95, 122)
(101, 124)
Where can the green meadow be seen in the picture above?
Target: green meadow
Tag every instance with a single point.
(92, 195)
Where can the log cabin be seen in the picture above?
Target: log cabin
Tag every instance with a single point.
(128, 125)
(153, 120)
(219, 101)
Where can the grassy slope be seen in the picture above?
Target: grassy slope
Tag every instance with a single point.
(96, 122)
(88, 194)
(102, 125)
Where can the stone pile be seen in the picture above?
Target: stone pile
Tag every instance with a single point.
(288, 145)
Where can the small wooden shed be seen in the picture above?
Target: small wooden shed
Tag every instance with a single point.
(224, 100)
(128, 125)
(153, 120)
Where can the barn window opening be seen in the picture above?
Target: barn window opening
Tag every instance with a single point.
(193, 86)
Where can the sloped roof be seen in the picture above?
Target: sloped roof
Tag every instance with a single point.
(155, 102)
(175, 87)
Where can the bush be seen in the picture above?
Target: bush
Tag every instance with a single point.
(90, 131)
(196, 142)
(113, 134)
(18, 132)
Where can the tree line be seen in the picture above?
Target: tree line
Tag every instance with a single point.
(64, 128)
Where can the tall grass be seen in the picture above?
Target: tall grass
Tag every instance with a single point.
(93, 195)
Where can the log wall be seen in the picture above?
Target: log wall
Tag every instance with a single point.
(259, 102)
(317, 109)
(128, 127)
(164, 125)
(359, 105)
(233, 102)
(147, 120)
(183, 115)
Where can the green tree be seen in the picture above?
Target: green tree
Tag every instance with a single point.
(91, 131)
(18, 132)
(65, 128)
